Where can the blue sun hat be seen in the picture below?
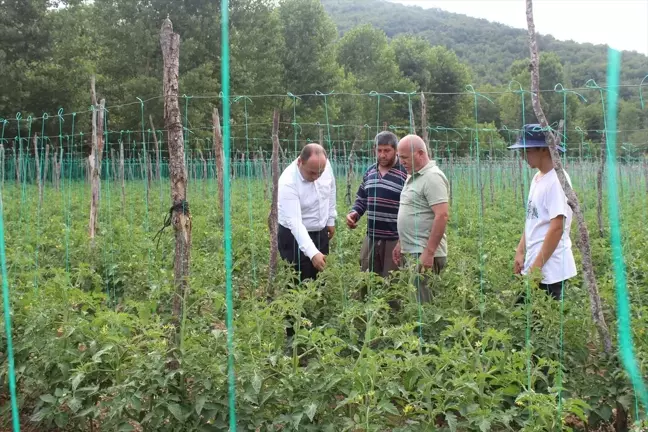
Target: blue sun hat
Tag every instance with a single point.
(532, 136)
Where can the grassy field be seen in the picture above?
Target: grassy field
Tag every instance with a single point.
(90, 324)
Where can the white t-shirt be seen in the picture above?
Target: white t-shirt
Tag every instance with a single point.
(547, 200)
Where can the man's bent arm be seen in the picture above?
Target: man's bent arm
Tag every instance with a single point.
(360, 205)
(290, 208)
(438, 226)
(550, 243)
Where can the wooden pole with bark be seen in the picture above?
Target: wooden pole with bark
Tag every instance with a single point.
(599, 186)
(218, 156)
(95, 157)
(38, 170)
(424, 130)
(2, 165)
(16, 163)
(274, 211)
(354, 146)
(264, 171)
(596, 306)
(113, 161)
(56, 166)
(180, 217)
(46, 165)
(122, 175)
(204, 164)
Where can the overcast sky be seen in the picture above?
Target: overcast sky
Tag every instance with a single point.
(622, 24)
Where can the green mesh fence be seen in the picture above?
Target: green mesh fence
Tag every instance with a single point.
(86, 322)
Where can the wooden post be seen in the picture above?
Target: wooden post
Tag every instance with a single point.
(274, 212)
(2, 165)
(204, 163)
(122, 175)
(46, 161)
(38, 171)
(218, 155)
(490, 172)
(424, 131)
(95, 157)
(596, 305)
(354, 146)
(180, 215)
(645, 166)
(157, 149)
(264, 170)
(16, 163)
(56, 166)
(599, 186)
(113, 160)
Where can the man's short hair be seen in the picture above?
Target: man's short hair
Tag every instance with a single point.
(310, 150)
(387, 138)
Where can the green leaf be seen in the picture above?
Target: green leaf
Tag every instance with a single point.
(625, 400)
(97, 357)
(605, 412)
(200, 403)
(485, 425)
(125, 427)
(77, 380)
(61, 419)
(40, 415)
(388, 407)
(74, 404)
(452, 421)
(86, 411)
(48, 398)
(311, 410)
(208, 385)
(256, 383)
(176, 410)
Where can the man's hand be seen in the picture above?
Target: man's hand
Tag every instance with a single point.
(518, 264)
(396, 254)
(319, 261)
(331, 232)
(352, 220)
(427, 259)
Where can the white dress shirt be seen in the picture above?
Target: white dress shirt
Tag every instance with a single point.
(306, 206)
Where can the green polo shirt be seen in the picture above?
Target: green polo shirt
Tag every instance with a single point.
(422, 190)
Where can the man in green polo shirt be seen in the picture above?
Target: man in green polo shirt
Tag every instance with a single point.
(423, 213)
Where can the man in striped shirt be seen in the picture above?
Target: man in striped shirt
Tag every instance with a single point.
(379, 196)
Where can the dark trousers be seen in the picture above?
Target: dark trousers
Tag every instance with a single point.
(289, 251)
(554, 290)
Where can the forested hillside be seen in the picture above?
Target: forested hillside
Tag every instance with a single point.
(489, 48)
(357, 49)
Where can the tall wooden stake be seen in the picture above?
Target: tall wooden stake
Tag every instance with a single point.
(218, 155)
(354, 147)
(599, 187)
(122, 175)
(272, 217)
(95, 157)
(38, 171)
(46, 165)
(424, 131)
(584, 242)
(180, 215)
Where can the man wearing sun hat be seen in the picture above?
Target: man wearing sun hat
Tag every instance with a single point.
(545, 243)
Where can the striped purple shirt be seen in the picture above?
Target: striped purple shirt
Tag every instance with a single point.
(379, 197)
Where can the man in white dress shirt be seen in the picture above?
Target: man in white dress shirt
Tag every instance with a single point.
(307, 211)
